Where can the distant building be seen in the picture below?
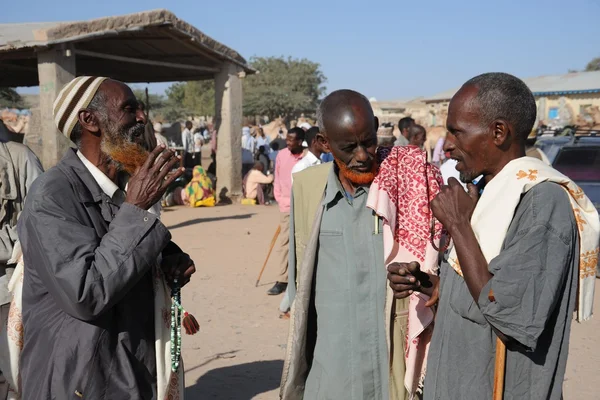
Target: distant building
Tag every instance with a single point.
(572, 98)
(393, 111)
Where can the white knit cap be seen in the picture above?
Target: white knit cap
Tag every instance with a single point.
(74, 97)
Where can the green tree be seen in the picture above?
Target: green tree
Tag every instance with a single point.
(593, 65)
(10, 98)
(283, 87)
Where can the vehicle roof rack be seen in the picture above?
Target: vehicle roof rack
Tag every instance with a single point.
(572, 131)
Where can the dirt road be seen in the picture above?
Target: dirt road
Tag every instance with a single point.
(239, 352)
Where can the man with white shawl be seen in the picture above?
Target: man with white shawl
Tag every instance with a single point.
(524, 256)
(97, 314)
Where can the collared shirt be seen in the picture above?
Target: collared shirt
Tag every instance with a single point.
(535, 286)
(309, 160)
(110, 188)
(283, 178)
(350, 357)
(107, 185)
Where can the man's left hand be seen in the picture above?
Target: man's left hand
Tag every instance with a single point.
(453, 206)
(178, 265)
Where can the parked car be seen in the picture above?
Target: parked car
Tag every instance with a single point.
(577, 155)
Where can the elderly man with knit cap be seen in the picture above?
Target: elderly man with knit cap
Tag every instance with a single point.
(95, 305)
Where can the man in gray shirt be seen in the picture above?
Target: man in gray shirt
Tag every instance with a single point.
(526, 295)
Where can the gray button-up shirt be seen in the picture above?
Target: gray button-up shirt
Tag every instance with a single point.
(535, 287)
(351, 356)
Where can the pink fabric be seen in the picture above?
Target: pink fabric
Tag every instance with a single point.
(283, 178)
(399, 196)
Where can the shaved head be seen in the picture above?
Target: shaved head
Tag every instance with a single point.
(348, 130)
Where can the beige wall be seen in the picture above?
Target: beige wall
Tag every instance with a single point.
(576, 101)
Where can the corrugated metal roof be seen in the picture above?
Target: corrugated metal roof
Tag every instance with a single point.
(574, 82)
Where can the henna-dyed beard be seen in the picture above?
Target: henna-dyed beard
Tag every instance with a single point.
(121, 149)
(357, 178)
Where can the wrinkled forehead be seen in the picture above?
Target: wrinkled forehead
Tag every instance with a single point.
(463, 108)
(118, 94)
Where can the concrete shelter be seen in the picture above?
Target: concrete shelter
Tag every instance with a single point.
(152, 46)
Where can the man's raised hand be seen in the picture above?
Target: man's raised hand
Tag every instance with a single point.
(151, 180)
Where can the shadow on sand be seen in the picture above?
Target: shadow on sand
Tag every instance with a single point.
(237, 382)
(204, 220)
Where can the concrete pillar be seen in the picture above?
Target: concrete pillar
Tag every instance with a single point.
(56, 68)
(228, 109)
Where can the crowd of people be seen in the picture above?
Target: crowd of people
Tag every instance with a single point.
(401, 280)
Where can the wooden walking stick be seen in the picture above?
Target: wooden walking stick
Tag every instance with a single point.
(499, 370)
(500, 364)
(269, 254)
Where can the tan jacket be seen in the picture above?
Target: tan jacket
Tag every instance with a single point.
(306, 214)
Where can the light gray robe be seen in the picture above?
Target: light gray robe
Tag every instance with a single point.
(535, 287)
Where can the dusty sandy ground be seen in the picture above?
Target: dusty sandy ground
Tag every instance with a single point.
(239, 352)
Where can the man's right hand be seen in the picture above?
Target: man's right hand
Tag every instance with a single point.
(406, 278)
(147, 186)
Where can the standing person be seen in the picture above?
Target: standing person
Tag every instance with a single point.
(439, 156)
(385, 136)
(198, 143)
(263, 140)
(313, 156)
(310, 159)
(286, 160)
(416, 136)
(20, 168)
(248, 150)
(518, 270)
(91, 254)
(403, 126)
(348, 220)
(276, 146)
(187, 141)
(262, 157)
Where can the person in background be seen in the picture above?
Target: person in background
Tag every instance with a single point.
(20, 169)
(385, 136)
(263, 140)
(416, 136)
(187, 141)
(439, 156)
(160, 139)
(276, 146)
(403, 126)
(286, 160)
(312, 156)
(255, 184)
(198, 143)
(262, 157)
(310, 159)
(248, 150)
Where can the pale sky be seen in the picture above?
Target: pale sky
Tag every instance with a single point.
(392, 49)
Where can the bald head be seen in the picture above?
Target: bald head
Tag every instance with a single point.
(344, 108)
(348, 130)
